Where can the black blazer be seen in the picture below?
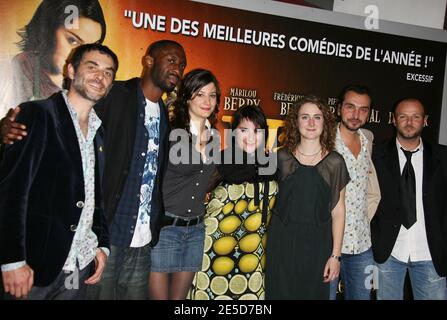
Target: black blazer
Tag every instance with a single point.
(42, 190)
(386, 223)
(118, 111)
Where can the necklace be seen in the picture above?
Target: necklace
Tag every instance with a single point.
(308, 159)
(308, 155)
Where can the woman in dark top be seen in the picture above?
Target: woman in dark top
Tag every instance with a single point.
(238, 213)
(306, 231)
(178, 254)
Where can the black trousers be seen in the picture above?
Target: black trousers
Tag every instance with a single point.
(66, 286)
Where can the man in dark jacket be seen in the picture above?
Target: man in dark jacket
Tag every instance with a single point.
(137, 136)
(409, 229)
(136, 144)
(52, 228)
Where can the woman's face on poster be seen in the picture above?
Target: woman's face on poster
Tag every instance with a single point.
(81, 31)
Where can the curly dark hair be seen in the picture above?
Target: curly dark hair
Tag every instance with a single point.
(292, 133)
(192, 82)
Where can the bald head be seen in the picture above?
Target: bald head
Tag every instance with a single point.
(409, 119)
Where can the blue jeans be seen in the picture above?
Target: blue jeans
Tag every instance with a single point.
(333, 285)
(356, 274)
(426, 284)
(125, 276)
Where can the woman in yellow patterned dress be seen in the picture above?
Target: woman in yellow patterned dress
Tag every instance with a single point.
(238, 214)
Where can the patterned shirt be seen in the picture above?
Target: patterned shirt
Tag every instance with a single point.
(85, 242)
(142, 234)
(357, 237)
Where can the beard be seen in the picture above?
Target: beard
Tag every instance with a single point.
(409, 135)
(79, 85)
(351, 127)
(160, 78)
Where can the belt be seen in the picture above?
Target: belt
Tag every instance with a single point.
(180, 222)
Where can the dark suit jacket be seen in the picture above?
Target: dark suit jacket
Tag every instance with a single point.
(386, 223)
(41, 185)
(119, 111)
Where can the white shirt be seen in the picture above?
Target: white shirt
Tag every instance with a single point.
(357, 235)
(85, 242)
(411, 244)
(195, 132)
(142, 235)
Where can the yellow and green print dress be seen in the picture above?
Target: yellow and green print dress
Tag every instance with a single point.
(237, 217)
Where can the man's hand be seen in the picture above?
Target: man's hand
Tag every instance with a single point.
(11, 131)
(18, 282)
(100, 263)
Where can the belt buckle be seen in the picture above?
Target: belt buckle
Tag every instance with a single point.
(193, 221)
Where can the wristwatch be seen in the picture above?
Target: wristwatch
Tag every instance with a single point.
(336, 257)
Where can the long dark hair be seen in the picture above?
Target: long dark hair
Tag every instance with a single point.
(192, 82)
(39, 35)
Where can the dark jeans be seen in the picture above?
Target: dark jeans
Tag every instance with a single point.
(125, 276)
(66, 286)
